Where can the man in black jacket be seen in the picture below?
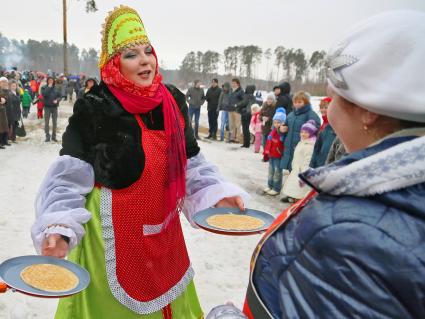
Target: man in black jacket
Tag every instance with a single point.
(51, 102)
(212, 97)
(236, 100)
(245, 110)
(283, 96)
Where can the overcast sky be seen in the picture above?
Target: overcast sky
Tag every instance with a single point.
(177, 27)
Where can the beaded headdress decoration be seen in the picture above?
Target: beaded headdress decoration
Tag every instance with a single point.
(123, 28)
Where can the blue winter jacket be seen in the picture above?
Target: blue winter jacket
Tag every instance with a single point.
(322, 147)
(294, 121)
(349, 257)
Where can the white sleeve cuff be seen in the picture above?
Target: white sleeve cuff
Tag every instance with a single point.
(61, 200)
(205, 187)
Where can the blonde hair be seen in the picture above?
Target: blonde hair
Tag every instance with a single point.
(303, 96)
(255, 108)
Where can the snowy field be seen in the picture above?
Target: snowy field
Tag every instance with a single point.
(220, 262)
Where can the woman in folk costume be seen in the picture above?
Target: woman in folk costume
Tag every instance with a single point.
(128, 166)
(354, 247)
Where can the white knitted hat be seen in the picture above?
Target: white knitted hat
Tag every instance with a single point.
(380, 65)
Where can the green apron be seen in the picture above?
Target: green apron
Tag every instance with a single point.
(97, 301)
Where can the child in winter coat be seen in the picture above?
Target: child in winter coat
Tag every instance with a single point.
(26, 103)
(274, 150)
(325, 137)
(40, 106)
(255, 126)
(293, 188)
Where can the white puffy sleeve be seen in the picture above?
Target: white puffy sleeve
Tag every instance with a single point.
(205, 187)
(60, 201)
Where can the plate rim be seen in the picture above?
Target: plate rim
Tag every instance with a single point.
(234, 232)
(39, 292)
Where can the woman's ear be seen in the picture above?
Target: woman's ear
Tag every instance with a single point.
(369, 118)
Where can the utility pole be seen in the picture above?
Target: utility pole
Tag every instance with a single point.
(65, 42)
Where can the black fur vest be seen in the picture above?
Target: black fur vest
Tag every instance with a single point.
(102, 133)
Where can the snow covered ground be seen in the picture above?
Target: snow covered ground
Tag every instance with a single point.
(220, 262)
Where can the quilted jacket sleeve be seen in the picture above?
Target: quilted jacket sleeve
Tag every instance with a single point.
(312, 269)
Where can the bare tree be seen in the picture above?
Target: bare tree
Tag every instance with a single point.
(300, 64)
(267, 55)
(279, 53)
(317, 63)
(251, 54)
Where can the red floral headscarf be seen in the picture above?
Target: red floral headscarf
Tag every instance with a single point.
(138, 100)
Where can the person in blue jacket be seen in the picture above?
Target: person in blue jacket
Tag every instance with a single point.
(325, 137)
(355, 247)
(302, 113)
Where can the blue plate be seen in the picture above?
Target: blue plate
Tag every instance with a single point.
(200, 219)
(11, 269)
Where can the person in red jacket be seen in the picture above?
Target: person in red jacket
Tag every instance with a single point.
(40, 106)
(274, 150)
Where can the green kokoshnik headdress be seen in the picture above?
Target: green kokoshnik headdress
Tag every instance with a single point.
(123, 28)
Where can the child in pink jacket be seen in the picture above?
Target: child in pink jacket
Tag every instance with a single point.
(256, 126)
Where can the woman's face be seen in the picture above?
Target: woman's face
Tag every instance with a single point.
(138, 64)
(346, 119)
(13, 87)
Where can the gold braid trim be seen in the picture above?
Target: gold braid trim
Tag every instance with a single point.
(119, 25)
(106, 27)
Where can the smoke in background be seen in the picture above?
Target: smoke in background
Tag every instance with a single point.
(44, 55)
(11, 57)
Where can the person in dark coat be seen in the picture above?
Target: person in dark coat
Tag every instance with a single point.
(51, 98)
(195, 97)
(244, 109)
(13, 110)
(325, 137)
(88, 85)
(266, 115)
(283, 96)
(212, 97)
(4, 125)
(354, 247)
(236, 99)
(224, 107)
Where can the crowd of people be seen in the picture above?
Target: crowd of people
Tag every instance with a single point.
(19, 91)
(285, 126)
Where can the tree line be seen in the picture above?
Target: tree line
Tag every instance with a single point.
(281, 63)
(45, 55)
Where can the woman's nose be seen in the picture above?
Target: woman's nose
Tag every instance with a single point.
(143, 59)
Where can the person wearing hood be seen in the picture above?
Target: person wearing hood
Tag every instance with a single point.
(212, 97)
(129, 165)
(224, 107)
(51, 98)
(88, 85)
(283, 96)
(354, 247)
(244, 109)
